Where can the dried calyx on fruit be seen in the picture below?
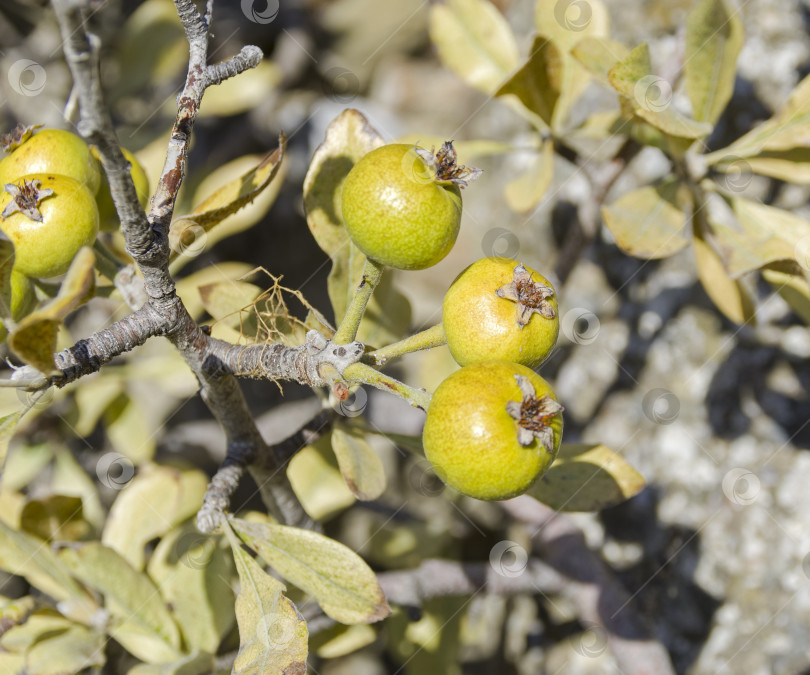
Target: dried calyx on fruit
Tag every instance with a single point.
(533, 414)
(530, 296)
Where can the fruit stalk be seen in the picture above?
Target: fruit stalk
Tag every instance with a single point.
(347, 331)
(426, 339)
(360, 372)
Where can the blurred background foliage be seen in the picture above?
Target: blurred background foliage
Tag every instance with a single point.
(713, 413)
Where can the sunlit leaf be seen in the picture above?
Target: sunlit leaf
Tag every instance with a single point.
(650, 97)
(361, 467)
(474, 41)
(344, 585)
(196, 663)
(8, 424)
(193, 573)
(538, 82)
(388, 313)
(587, 478)
(221, 213)
(157, 499)
(35, 338)
(141, 622)
(348, 138)
(130, 429)
(317, 481)
(794, 289)
(526, 191)
(599, 55)
(785, 137)
(340, 640)
(32, 558)
(6, 263)
(231, 302)
(69, 478)
(650, 222)
(272, 634)
(714, 37)
(188, 287)
(242, 93)
(729, 295)
(565, 23)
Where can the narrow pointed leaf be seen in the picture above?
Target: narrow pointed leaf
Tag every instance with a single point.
(794, 289)
(272, 634)
(361, 467)
(474, 41)
(30, 557)
(729, 295)
(226, 201)
(141, 621)
(714, 37)
(6, 263)
(599, 55)
(344, 585)
(650, 97)
(650, 222)
(587, 478)
(538, 82)
(8, 425)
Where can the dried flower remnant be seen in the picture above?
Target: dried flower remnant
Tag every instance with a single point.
(529, 295)
(533, 415)
(444, 166)
(17, 136)
(25, 199)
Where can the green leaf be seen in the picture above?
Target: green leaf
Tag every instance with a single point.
(272, 634)
(340, 640)
(32, 558)
(69, 478)
(348, 138)
(231, 302)
(130, 429)
(361, 467)
(344, 585)
(317, 481)
(714, 37)
(242, 93)
(388, 313)
(784, 137)
(141, 621)
(650, 97)
(729, 295)
(474, 41)
(93, 398)
(599, 55)
(587, 477)
(6, 263)
(794, 289)
(196, 663)
(186, 232)
(193, 573)
(157, 499)
(57, 517)
(34, 339)
(54, 645)
(526, 191)
(188, 287)
(537, 83)
(8, 425)
(762, 235)
(566, 22)
(650, 222)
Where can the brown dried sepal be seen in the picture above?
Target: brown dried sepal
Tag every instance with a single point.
(444, 166)
(529, 295)
(533, 415)
(17, 136)
(25, 199)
